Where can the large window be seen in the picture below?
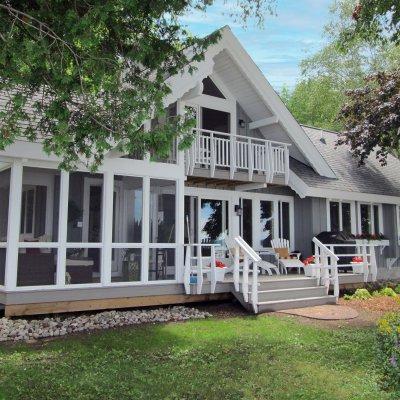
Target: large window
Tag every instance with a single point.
(340, 216)
(370, 218)
(266, 225)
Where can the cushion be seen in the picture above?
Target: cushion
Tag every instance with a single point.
(283, 252)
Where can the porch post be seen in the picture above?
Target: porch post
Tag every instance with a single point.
(14, 216)
(146, 229)
(180, 226)
(180, 155)
(62, 228)
(107, 223)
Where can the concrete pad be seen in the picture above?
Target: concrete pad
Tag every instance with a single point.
(325, 312)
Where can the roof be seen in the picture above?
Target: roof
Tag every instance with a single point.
(372, 178)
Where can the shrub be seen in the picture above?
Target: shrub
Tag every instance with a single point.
(397, 289)
(389, 351)
(388, 292)
(360, 294)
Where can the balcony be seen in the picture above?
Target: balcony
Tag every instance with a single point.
(222, 151)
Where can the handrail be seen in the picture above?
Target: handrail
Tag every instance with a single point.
(229, 135)
(327, 272)
(248, 253)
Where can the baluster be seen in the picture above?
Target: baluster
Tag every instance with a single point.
(287, 170)
(254, 289)
(335, 278)
(213, 161)
(250, 158)
(188, 267)
(317, 264)
(213, 272)
(365, 261)
(373, 264)
(232, 146)
(236, 274)
(199, 269)
(245, 278)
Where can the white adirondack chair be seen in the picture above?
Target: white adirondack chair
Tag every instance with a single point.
(286, 263)
(265, 265)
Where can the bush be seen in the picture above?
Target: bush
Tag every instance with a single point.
(388, 292)
(397, 289)
(389, 351)
(359, 294)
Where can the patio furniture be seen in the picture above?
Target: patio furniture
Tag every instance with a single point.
(286, 259)
(264, 265)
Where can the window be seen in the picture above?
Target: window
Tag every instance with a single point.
(266, 227)
(340, 216)
(4, 201)
(284, 220)
(370, 218)
(213, 221)
(215, 120)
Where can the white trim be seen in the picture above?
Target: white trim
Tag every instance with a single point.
(372, 219)
(352, 214)
(263, 122)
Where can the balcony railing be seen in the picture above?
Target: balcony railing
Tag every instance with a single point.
(218, 150)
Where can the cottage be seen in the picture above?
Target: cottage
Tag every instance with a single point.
(220, 218)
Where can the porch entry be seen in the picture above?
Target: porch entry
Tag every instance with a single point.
(211, 215)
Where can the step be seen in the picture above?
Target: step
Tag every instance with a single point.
(291, 293)
(276, 305)
(286, 283)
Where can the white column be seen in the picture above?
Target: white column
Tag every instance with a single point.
(62, 228)
(146, 229)
(107, 223)
(14, 216)
(180, 226)
(180, 110)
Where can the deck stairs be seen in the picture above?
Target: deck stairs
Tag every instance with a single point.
(284, 292)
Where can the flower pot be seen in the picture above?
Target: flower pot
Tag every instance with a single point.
(358, 268)
(310, 270)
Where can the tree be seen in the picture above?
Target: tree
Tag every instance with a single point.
(371, 117)
(326, 75)
(83, 76)
(371, 113)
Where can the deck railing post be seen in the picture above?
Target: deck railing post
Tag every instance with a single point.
(254, 288)
(372, 260)
(213, 272)
(365, 261)
(199, 269)
(212, 155)
(188, 267)
(236, 275)
(250, 158)
(245, 278)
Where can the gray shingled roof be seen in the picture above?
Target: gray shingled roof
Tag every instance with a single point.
(369, 178)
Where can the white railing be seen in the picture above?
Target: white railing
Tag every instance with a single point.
(362, 249)
(326, 267)
(249, 256)
(194, 267)
(213, 150)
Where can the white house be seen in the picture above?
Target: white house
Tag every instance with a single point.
(140, 232)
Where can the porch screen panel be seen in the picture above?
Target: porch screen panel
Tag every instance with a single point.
(162, 264)
(191, 219)
(40, 200)
(247, 221)
(126, 264)
(4, 203)
(213, 221)
(266, 223)
(84, 226)
(162, 211)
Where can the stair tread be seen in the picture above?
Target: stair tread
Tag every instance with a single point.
(289, 289)
(291, 300)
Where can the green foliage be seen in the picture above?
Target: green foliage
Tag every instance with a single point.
(389, 292)
(359, 294)
(397, 289)
(328, 74)
(389, 351)
(83, 77)
(261, 357)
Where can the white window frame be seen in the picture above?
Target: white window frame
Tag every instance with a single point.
(352, 214)
(372, 214)
(398, 223)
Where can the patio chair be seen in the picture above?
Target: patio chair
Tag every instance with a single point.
(264, 265)
(286, 259)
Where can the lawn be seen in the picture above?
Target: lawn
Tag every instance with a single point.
(262, 357)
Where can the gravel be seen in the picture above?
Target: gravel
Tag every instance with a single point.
(30, 330)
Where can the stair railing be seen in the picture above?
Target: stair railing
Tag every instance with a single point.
(326, 267)
(242, 249)
(194, 267)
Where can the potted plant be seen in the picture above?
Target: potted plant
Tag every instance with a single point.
(357, 264)
(220, 270)
(309, 266)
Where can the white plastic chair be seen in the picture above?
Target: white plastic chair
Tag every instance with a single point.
(286, 263)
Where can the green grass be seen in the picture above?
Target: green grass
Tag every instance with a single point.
(237, 358)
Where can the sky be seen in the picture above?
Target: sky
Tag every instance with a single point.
(278, 48)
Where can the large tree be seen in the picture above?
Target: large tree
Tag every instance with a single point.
(83, 76)
(329, 73)
(371, 113)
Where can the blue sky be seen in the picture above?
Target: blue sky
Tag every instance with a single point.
(286, 39)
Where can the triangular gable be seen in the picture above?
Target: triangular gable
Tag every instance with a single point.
(183, 83)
